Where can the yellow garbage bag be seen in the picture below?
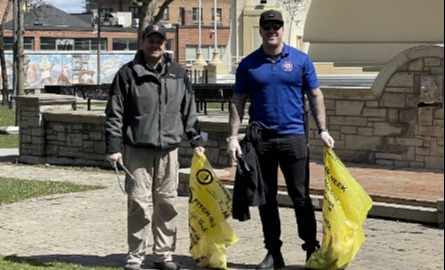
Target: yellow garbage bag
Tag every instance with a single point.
(345, 207)
(210, 205)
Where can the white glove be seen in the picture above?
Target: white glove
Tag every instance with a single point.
(114, 158)
(199, 150)
(233, 147)
(327, 139)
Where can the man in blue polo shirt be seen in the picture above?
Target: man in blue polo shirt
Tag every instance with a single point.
(277, 77)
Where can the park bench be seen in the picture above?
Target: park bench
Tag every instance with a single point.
(205, 93)
(91, 92)
(88, 92)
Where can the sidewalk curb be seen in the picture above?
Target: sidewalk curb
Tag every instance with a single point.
(383, 210)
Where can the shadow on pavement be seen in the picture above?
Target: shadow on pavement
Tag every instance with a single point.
(115, 260)
(112, 260)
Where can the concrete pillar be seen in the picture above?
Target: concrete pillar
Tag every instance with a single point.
(216, 68)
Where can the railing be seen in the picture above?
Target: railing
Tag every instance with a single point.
(198, 76)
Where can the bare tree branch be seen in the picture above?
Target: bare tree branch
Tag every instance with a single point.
(149, 12)
(294, 9)
(161, 11)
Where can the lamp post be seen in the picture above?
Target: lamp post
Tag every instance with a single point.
(215, 25)
(98, 45)
(199, 26)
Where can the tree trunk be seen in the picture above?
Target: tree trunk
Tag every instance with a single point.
(145, 16)
(20, 54)
(5, 85)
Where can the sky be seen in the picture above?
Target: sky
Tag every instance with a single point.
(69, 6)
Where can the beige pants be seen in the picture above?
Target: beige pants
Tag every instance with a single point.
(151, 202)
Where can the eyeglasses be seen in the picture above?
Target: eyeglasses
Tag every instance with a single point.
(275, 26)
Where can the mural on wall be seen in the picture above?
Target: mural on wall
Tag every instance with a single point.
(64, 69)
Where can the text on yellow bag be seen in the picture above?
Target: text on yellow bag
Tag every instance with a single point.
(345, 207)
(210, 205)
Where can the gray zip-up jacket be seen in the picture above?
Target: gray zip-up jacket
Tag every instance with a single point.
(151, 109)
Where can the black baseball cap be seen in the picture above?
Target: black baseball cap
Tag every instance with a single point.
(271, 15)
(154, 28)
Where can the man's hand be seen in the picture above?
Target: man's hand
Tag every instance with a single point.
(199, 150)
(114, 158)
(327, 139)
(233, 147)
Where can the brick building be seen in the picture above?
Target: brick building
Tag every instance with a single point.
(50, 29)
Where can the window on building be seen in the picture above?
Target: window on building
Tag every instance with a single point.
(134, 17)
(125, 45)
(207, 53)
(64, 44)
(134, 12)
(195, 15)
(181, 15)
(166, 15)
(93, 44)
(169, 45)
(8, 43)
(76, 44)
(218, 14)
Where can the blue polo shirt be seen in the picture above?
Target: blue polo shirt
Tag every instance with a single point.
(276, 89)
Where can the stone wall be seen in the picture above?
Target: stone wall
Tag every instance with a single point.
(399, 122)
(51, 132)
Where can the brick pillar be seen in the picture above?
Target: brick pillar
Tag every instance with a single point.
(31, 124)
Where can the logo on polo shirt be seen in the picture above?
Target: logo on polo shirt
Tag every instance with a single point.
(288, 66)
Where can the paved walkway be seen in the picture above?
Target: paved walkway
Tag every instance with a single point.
(88, 228)
(414, 187)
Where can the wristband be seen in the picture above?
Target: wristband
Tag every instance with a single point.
(322, 130)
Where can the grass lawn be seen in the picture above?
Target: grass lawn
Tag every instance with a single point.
(7, 118)
(12, 190)
(16, 263)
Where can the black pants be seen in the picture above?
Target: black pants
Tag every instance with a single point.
(291, 153)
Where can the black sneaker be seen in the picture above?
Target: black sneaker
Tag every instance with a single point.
(310, 249)
(271, 262)
(166, 265)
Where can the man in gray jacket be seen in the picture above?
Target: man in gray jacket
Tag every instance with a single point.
(151, 105)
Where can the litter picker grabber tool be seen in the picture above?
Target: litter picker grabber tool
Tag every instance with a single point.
(116, 169)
